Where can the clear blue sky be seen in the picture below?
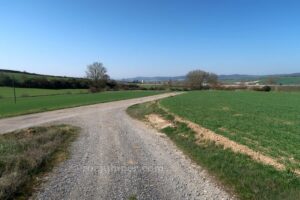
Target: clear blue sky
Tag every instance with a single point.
(150, 37)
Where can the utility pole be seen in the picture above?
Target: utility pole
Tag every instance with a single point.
(15, 98)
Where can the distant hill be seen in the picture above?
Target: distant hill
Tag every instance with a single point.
(155, 78)
(33, 80)
(19, 74)
(285, 79)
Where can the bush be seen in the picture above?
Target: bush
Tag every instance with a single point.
(265, 88)
(129, 86)
(25, 95)
(94, 89)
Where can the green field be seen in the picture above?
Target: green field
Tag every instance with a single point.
(6, 92)
(267, 122)
(286, 80)
(279, 80)
(44, 103)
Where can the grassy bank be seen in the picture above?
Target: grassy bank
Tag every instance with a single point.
(46, 103)
(239, 173)
(26, 154)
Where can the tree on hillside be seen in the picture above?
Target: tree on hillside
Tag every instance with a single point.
(97, 73)
(197, 79)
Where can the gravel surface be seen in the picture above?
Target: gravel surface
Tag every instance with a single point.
(116, 157)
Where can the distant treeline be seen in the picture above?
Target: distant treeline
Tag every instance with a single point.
(43, 82)
(32, 80)
(9, 78)
(28, 73)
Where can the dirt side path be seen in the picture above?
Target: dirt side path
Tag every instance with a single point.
(117, 157)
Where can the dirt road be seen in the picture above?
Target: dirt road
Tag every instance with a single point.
(117, 157)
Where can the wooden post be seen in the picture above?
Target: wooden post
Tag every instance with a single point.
(15, 98)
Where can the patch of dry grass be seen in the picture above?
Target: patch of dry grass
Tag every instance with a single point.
(28, 152)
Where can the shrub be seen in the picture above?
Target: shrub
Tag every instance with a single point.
(175, 89)
(25, 95)
(265, 88)
(94, 89)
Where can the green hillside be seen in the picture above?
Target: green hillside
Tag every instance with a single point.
(21, 76)
(31, 80)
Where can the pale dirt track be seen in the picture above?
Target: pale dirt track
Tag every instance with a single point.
(116, 157)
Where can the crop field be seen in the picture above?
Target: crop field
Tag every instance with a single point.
(279, 80)
(6, 92)
(288, 80)
(266, 122)
(45, 103)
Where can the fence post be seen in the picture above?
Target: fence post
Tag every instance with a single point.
(15, 98)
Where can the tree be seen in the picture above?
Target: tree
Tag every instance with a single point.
(97, 73)
(271, 80)
(212, 79)
(197, 79)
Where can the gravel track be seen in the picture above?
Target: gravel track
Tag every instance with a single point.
(116, 157)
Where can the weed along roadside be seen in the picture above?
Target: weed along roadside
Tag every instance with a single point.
(248, 178)
(26, 155)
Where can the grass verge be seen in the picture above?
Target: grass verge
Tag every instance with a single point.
(27, 154)
(238, 172)
(8, 92)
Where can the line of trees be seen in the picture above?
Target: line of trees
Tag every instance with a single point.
(43, 82)
(196, 79)
(96, 80)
